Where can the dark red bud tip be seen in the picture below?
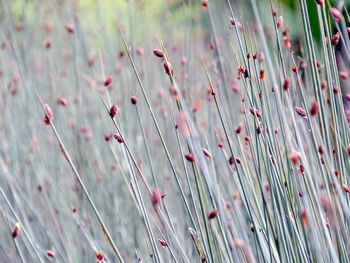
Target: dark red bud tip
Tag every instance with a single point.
(119, 138)
(158, 53)
(213, 214)
(320, 2)
(113, 111)
(189, 157)
(108, 81)
(133, 100)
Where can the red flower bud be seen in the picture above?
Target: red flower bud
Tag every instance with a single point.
(113, 111)
(189, 157)
(48, 114)
(16, 230)
(286, 83)
(133, 100)
(315, 107)
(62, 101)
(335, 39)
(213, 214)
(50, 253)
(300, 111)
(119, 138)
(206, 152)
(108, 81)
(156, 196)
(158, 53)
(279, 22)
(70, 28)
(239, 128)
(168, 68)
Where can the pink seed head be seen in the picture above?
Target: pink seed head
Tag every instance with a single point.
(320, 149)
(107, 137)
(213, 214)
(286, 83)
(168, 69)
(335, 39)
(163, 243)
(47, 43)
(99, 256)
(70, 28)
(118, 137)
(189, 157)
(62, 101)
(256, 111)
(320, 2)
(239, 128)
(113, 111)
(231, 160)
(349, 149)
(274, 12)
(294, 156)
(315, 107)
(300, 111)
(133, 100)
(337, 15)
(108, 81)
(16, 230)
(183, 61)
(261, 57)
(279, 22)
(48, 115)
(347, 97)
(343, 74)
(48, 111)
(158, 53)
(139, 51)
(206, 152)
(238, 160)
(156, 196)
(89, 135)
(324, 85)
(50, 253)
(346, 188)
